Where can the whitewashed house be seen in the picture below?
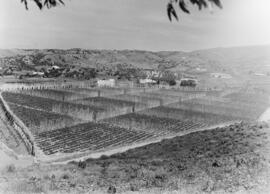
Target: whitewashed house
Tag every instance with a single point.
(147, 81)
(106, 83)
(221, 75)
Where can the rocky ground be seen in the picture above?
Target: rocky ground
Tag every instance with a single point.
(234, 159)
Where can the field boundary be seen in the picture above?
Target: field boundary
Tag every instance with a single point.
(19, 127)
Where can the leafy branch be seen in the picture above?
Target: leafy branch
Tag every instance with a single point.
(43, 3)
(184, 6)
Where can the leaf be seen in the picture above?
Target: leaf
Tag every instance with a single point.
(217, 3)
(25, 4)
(203, 3)
(39, 3)
(183, 6)
(53, 3)
(197, 2)
(61, 2)
(171, 11)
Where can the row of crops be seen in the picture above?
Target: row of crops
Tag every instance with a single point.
(152, 124)
(248, 98)
(90, 119)
(188, 115)
(55, 94)
(84, 112)
(39, 121)
(97, 92)
(243, 113)
(87, 137)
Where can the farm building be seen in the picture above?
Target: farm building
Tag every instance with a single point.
(147, 81)
(106, 83)
(259, 74)
(188, 82)
(38, 73)
(201, 69)
(221, 75)
(55, 67)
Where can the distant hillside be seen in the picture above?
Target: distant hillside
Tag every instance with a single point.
(233, 60)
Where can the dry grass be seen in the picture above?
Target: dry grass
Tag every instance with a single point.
(231, 159)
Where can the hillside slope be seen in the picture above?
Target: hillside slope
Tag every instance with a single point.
(218, 59)
(225, 160)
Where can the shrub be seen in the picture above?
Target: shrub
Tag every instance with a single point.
(111, 189)
(11, 168)
(82, 164)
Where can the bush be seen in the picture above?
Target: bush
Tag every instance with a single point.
(82, 164)
(11, 168)
(111, 190)
(134, 187)
(172, 82)
(65, 176)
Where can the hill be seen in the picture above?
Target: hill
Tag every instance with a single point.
(217, 59)
(232, 159)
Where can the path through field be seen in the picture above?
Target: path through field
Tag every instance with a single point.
(8, 157)
(266, 115)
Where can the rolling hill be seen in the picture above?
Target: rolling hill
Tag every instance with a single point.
(234, 60)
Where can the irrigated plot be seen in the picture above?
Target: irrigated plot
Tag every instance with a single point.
(113, 107)
(39, 121)
(188, 115)
(54, 94)
(85, 112)
(152, 124)
(141, 102)
(86, 91)
(87, 137)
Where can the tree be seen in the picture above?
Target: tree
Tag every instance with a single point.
(170, 6)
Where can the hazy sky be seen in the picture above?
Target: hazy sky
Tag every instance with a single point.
(132, 24)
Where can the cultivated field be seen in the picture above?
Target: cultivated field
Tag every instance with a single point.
(66, 122)
(233, 159)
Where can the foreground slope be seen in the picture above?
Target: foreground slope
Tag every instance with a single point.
(230, 159)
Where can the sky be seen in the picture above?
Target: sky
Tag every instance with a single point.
(132, 24)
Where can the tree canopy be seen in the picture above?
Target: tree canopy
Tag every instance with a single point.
(171, 12)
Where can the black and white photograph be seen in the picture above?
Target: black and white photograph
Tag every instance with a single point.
(135, 97)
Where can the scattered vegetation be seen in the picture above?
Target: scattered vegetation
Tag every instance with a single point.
(230, 159)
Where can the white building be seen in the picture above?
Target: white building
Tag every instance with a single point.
(106, 83)
(147, 81)
(259, 74)
(55, 67)
(221, 75)
(38, 73)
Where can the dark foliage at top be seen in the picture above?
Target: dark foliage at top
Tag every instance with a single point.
(43, 3)
(183, 5)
